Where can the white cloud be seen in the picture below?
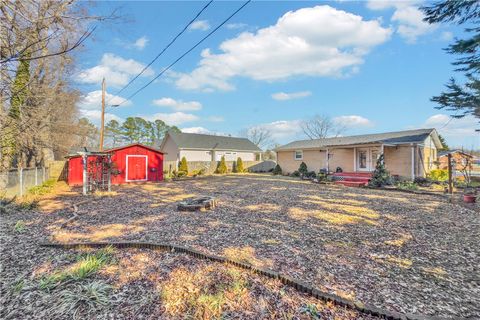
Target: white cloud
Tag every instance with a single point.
(233, 26)
(283, 129)
(93, 100)
(174, 118)
(319, 41)
(95, 116)
(116, 71)
(177, 105)
(446, 36)
(457, 132)
(203, 130)
(141, 43)
(202, 25)
(409, 18)
(353, 121)
(291, 95)
(216, 119)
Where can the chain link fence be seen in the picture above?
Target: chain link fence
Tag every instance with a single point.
(17, 182)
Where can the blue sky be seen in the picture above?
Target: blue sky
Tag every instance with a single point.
(370, 66)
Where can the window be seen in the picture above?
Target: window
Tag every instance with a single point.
(298, 155)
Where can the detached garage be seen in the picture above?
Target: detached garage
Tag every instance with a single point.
(132, 163)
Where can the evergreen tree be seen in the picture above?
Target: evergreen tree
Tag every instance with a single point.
(112, 130)
(463, 98)
(183, 166)
(277, 170)
(222, 166)
(240, 167)
(444, 143)
(381, 176)
(303, 168)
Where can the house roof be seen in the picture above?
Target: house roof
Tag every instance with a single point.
(209, 142)
(398, 137)
(76, 152)
(444, 153)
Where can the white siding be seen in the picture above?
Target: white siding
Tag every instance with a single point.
(233, 156)
(170, 150)
(196, 155)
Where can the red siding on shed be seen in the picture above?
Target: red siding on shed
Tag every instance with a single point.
(154, 165)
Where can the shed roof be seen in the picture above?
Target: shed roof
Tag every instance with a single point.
(210, 142)
(398, 137)
(94, 151)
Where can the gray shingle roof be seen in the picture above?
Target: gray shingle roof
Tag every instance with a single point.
(399, 137)
(209, 142)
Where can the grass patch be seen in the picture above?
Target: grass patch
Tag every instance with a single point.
(407, 185)
(19, 226)
(85, 266)
(204, 294)
(82, 297)
(45, 188)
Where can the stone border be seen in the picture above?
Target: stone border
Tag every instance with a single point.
(197, 204)
(298, 285)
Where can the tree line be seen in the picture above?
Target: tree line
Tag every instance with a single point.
(136, 129)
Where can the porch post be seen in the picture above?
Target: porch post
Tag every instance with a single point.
(413, 161)
(354, 159)
(328, 168)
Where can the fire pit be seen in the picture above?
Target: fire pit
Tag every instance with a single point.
(197, 204)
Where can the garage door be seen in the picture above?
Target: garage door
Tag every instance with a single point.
(136, 168)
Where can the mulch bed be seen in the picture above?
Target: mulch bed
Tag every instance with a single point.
(403, 252)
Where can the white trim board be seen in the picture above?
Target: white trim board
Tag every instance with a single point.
(146, 167)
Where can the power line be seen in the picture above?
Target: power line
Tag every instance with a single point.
(185, 53)
(164, 49)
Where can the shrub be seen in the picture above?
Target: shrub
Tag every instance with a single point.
(424, 182)
(303, 169)
(407, 185)
(222, 166)
(438, 175)
(240, 167)
(199, 172)
(183, 166)
(234, 167)
(381, 176)
(310, 174)
(19, 226)
(295, 173)
(277, 170)
(42, 189)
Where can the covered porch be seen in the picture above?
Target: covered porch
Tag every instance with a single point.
(361, 160)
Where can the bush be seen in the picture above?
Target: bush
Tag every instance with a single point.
(199, 172)
(303, 170)
(222, 166)
(183, 166)
(407, 185)
(277, 170)
(424, 182)
(381, 177)
(438, 175)
(240, 167)
(310, 174)
(295, 174)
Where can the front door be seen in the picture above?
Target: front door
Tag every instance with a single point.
(367, 159)
(362, 159)
(136, 168)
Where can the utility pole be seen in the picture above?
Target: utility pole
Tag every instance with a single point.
(102, 125)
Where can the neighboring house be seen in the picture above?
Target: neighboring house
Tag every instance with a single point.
(133, 163)
(207, 148)
(460, 160)
(408, 154)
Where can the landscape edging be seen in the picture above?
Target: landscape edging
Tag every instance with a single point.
(296, 284)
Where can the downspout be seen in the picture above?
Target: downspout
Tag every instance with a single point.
(328, 167)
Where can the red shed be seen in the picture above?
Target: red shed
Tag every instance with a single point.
(133, 163)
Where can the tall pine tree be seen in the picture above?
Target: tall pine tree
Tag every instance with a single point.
(461, 97)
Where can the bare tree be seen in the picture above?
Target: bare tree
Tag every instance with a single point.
(260, 136)
(38, 105)
(321, 126)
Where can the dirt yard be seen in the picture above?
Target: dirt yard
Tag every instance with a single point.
(398, 251)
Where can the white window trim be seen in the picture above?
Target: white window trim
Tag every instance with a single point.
(146, 167)
(295, 155)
